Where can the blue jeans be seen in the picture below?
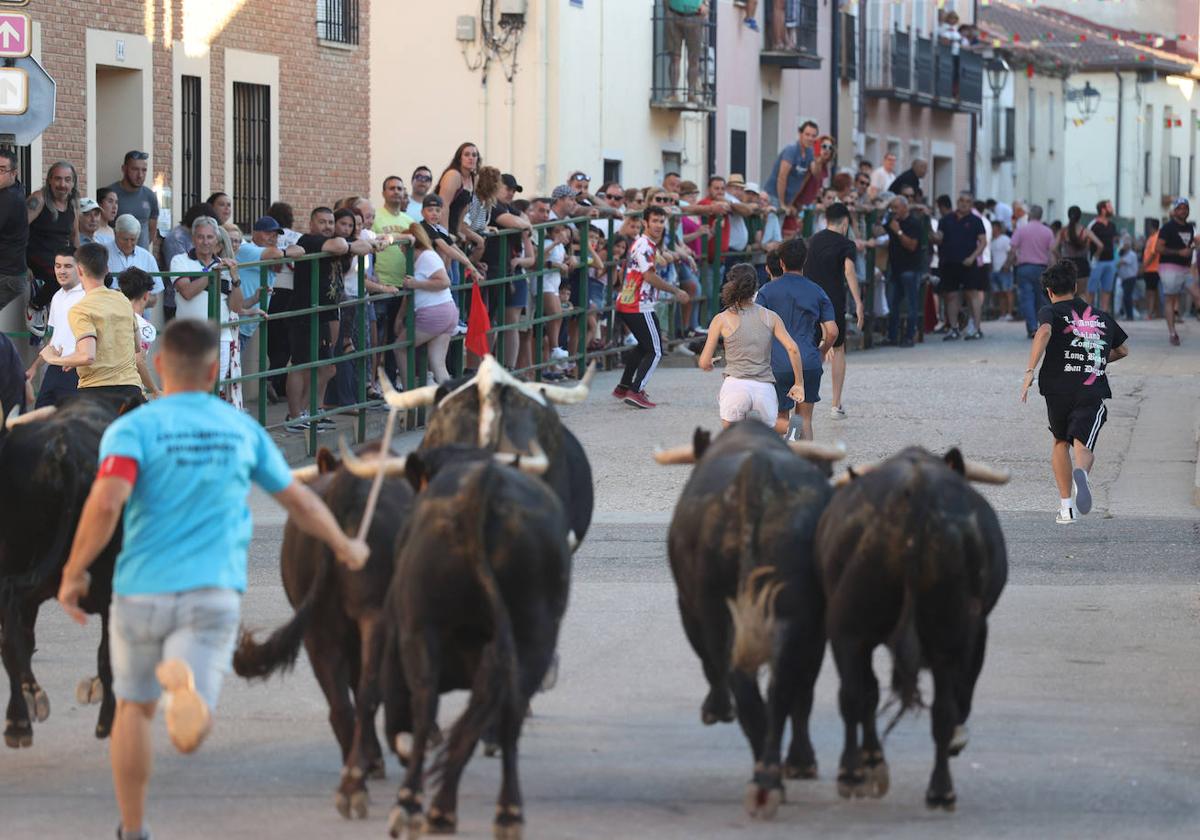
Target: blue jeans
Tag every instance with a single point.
(903, 284)
(1030, 295)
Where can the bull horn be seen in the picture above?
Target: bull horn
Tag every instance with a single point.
(984, 473)
(406, 400)
(16, 418)
(362, 468)
(535, 463)
(569, 396)
(852, 473)
(685, 454)
(306, 475)
(818, 451)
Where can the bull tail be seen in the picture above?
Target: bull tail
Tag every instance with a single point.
(259, 660)
(903, 642)
(496, 679)
(753, 609)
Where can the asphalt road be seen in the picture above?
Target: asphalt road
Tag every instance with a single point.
(1087, 715)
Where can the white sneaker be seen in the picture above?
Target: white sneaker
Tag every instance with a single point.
(837, 412)
(1066, 517)
(683, 350)
(630, 340)
(1083, 491)
(297, 424)
(558, 353)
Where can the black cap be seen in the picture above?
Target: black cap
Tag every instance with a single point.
(511, 183)
(432, 200)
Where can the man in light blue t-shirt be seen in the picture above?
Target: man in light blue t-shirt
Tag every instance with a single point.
(182, 567)
(806, 312)
(258, 281)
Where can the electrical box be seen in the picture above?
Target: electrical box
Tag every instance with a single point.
(516, 8)
(464, 28)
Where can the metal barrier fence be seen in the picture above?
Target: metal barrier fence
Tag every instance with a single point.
(710, 267)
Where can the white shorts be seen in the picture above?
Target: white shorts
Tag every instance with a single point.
(741, 396)
(551, 282)
(1172, 278)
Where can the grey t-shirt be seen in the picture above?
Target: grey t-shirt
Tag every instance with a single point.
(142, 204)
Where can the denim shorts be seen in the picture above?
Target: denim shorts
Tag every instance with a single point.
(1002, 281)
(1103, 277)
(199, 626)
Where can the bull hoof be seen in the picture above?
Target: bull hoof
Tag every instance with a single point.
(491, 749)
(878, 779)
(945, 800)
(103, 730)
(37, 702)
(717, 708)
(803, 771)
(852, 783)
(958, 741)
(438, 823)
(18, 735)
(89, 691)
(401, 822)
(509, 823)
(762, 803)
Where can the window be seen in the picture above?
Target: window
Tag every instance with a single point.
(190, 138)
(251, 152)
(1032, 120)
(672, 162)
(1192, 127)
(1147, 144)
(612, 170)
(1174, 175)
(737, 152)
(337, 21)
(1050, 123)
(915, 150)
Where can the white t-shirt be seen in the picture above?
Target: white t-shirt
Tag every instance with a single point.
(283, 273)
(428, 264)
(1001, 245)
(985, 258)
(881, 179)
(350, 279)
(62, 339)
(552, 281)
(197, 307)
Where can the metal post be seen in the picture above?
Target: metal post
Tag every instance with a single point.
(585, 251)
(539, 308)
(214, 315)
(313, 351)
(360, 344)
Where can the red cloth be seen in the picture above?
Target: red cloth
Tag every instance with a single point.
(478, 324)
(119, 466)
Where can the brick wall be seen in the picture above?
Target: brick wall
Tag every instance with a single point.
(324, 102)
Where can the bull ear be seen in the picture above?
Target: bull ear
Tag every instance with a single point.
(700, 441)
(954, 460)
(327, 462)
(416, 471)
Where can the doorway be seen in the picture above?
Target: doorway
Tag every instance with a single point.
(119, 118)
(769, 139)
(943, 176)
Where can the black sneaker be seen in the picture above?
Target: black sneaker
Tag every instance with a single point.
(325, 424)
(296, 425)
(973, 336)
(951, 335)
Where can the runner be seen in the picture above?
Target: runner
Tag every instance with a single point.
(830, 264)
(635, 308)
(1176, 248)
(1078, 343)
(747, 330)
(182, 568)
(806, 312)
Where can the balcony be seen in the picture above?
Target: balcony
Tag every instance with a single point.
(684, 76)
(912, 68)
(792, 41)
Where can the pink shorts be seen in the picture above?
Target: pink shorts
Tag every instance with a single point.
(439, 319)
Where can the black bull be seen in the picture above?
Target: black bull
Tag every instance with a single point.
(913, 557)
(741, 550)
(481, 582)
(47, 463)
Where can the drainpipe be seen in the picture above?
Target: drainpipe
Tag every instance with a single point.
(835, 57)
(1120, 117)
(712, 116)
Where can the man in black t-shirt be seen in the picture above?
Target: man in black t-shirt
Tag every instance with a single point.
(1103, 277)
(830, 264)
(1176, 252)
(962, 239)
(1078, 343)
(904, 270)
(318, 240)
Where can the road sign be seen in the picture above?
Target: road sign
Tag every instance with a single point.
(15, 30)
(27, 100)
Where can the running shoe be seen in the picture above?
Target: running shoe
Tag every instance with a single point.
(297, 424)
(638, 399)
(461, 329)
(620, 392)
(951, 335)
(973, 336)
(837, 412)
(630, 340)
(325, 424)
(186, 712)
(1083, 491)
(558, 354)
(1066, 517)
(752, 24)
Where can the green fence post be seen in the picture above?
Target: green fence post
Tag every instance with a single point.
(214, 315)
(539, 308)
(264, 363)
(313, 351)
(360, 344)
(501, 332)
(715, 295)
(581, 343)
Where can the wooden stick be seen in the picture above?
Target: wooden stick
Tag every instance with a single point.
(377, 484)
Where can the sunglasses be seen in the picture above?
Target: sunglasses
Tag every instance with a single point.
(137, 156)
(661, 200)
(422, 177)
(615, 197)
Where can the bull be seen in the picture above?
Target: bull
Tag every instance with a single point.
(741, 551)
(478, 595)
(494, 410)
(910, 556)
(48, 459)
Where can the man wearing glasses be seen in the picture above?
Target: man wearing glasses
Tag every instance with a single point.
(14, 231)
(610, 198)
(136, 199)
(422, 180)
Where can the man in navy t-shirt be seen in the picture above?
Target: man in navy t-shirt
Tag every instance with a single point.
(182, 567)
(802, 305)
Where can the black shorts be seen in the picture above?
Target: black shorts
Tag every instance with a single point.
(1083, 268)
(957, 277)
(837, 296)
(1076, 418)
(298, 340)
(1151, 278)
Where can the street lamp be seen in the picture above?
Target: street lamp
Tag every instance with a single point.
(1086, 99)
(997, 74)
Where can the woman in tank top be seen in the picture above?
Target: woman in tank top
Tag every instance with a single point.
(457, 185)
(1075, 242)
(748, 330)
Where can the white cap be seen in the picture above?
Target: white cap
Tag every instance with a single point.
(751, 187)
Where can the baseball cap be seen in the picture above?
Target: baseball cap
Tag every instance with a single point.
(510, 181)
(87, 205)
(736, 179)
(752, 187)
(267, 224)
(1180, 202)
(432, 200)
(562, 191)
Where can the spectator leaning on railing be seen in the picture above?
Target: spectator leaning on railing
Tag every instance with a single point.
(124, 252)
